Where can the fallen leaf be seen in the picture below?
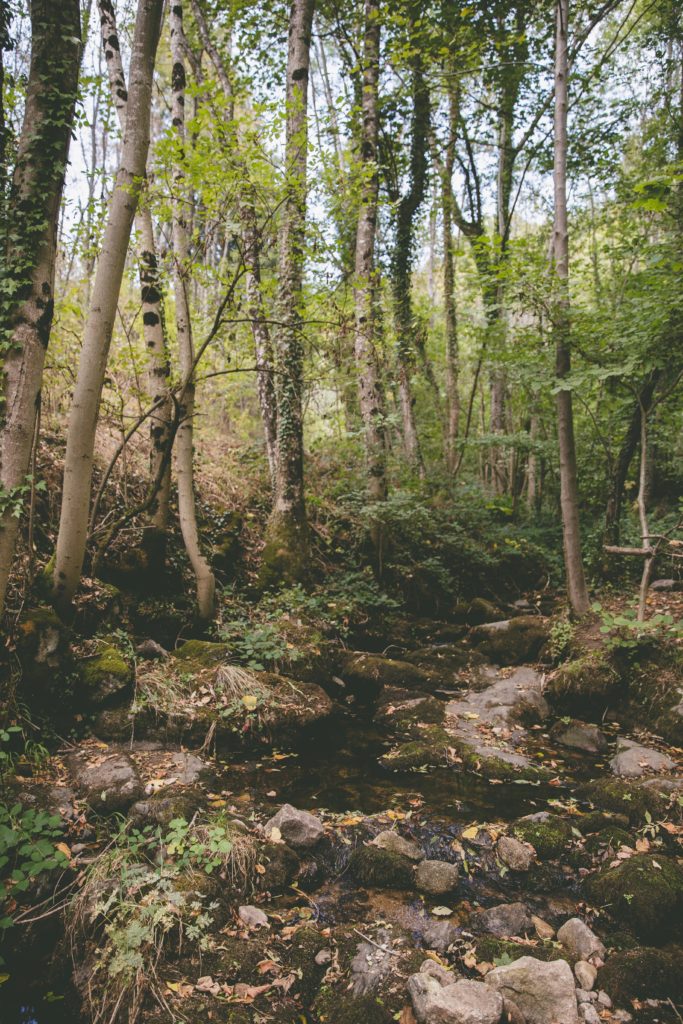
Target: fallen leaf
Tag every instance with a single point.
(441, 911)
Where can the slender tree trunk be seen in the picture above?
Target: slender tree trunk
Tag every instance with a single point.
(26, 291)
(569, 492)
(80, 445)
(206, 583)
(286, 555)
(370, 394)
(150, 285)
(450, 311)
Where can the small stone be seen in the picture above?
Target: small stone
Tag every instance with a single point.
(589, 1014)
(323, 956)
(585, 974)
(504, 920)
(514, 854)
(632, 760)
(543, 929)
(252, 917)
(580, 736)
(436, 877)
(604, 1000)
(299, 829)
(622, 1016)
(392, 841)
(579, 941)
(108, 783)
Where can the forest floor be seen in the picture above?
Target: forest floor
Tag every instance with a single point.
(350, 841)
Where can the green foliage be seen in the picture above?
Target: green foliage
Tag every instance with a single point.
(625, 631)
(561, 636)
(27, 851)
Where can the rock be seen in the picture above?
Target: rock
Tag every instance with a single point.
(173, 802)
(150, 650)
(645, 893)
(586, 974)
(604, 1000)
(542, 928)
(589, 1014)
(580, 942)
(547, 833)
(381, 869)
(512, 1013)
(544, 992)
(402, 714)
(511, 641)
(515, 855)
(439, 935)
(392, 841)
(442, 974)
(430, 749)
(589, 685)
(504, 920)
(634, 799)
(633, 760)
(299, 829)
(463, 1002)
(481, 611)
(281, 866)
(578, 735)
(372, 963)
(106, 678)
(436, 877)
(108, 782)
(584, 996)
(644, 973)
(367, 674)
(253, 917)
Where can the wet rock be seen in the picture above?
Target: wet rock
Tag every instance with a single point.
(586, 974)
(395, 843)
(408, 716)
(581, 736)
(381, 869)
(161, 808)
(548, 834)
(439, 935)
(436, 877)
(644, 973)
(589, 685)
(633, 760)
(503, 920)
(511, 641)
(367, 674)
(543, 992)
(515, 855)
(108, 782)
(299, 829)
(281, 865)
(580, 942)
(645, 893)
(253, 917)
(430, 750)
(463, 1002)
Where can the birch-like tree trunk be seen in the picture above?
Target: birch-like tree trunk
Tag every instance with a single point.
(577, 591)
(184, 460)
(450, 311)
(286, 554)
(370, 394)
(154, 335)
(26, 291)
(130, 177)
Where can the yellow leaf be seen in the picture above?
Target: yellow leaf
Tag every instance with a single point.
(249, 701)
(470, 833)
(63, 848)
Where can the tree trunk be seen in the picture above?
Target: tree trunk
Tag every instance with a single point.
(569, 492)
(450, 311)
(286, 555)
(150, 287)
(370, 394)
(28, 274)
(206, 584)
(80, 445)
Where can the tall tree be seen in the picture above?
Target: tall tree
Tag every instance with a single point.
(27, 279)
(206, 583)
(577, 590)
(130, 177)
(287, 542)
(370, 394)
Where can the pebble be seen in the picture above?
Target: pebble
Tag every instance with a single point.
(543, 929)
(589, 1014)
(604, 1000)
(253, 917)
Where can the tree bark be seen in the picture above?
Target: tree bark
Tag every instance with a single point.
(150, 286)
(206, 584)
(80, 445)
(450, 310)
(26, 293)
(370, 393)
(577, 591)
(286, 555)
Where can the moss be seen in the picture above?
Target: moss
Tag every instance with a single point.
(612, 836)
(300, 958)
(106, 678)
(411, 719)
(431, 749)
(480, 611)
(202, 653)
(381, 869)
(644, 973)
(490, 949)
(335, 1007)
(586, 687)
(285, 559)
(626, 797)
(491, 767)
(520, 641)
(594, 821)
(645, 893)
(549, 837)
(281, 865)
(654, 691)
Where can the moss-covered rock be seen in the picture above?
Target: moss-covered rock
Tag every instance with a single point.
(335, 1007)
(612, 837)
(107, 678)
(430, 750)
(366, 675)
(628, 797)
(202, 653)
(655, 695)
(513, 641)
(285, 558)
(644, 973)
(174, 802)
(585, 687)
(404, 715)
(645, 893)
(381, 869)
(594, 821)
(280, 864)
(480, 611)
(548, 834)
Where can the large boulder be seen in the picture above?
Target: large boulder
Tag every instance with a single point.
(298, 829)
(462, 1002)
(544, 992)
(644, 973)
(587, 686)
(511, 641)
(645, 893)
(107, 780)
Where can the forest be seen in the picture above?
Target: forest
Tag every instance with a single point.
(341, 512)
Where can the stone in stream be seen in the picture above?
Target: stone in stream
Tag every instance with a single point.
(511, 641)
(108, 782)
(436, 877)
(633, 760)
(515, 855)
(586, 974)
(462, 1002)
(395, 843)
(503, 920)
(299, 829)
(544, 992)
(580, 942)
(581, 736)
